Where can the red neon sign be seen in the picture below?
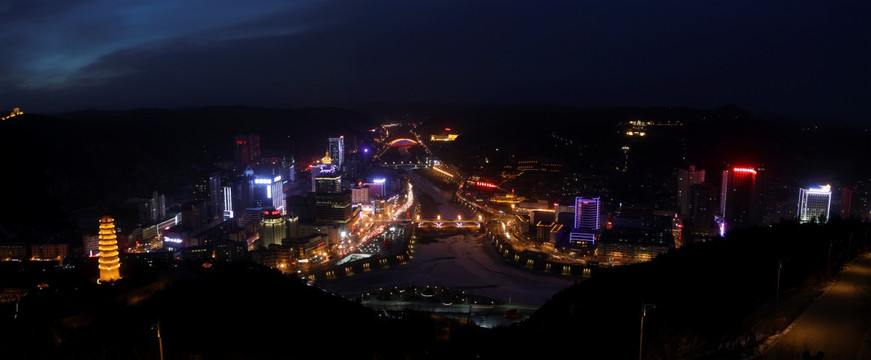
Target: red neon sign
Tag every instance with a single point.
(485, 184)
(744, 170)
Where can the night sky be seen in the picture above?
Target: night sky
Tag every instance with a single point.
(796, 58)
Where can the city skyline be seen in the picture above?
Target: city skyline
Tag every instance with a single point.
(485, 229)
(435, 179)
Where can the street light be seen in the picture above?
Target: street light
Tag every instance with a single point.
(644, 308)
(159, 338)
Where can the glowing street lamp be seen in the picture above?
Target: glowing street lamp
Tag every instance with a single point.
(644, 308)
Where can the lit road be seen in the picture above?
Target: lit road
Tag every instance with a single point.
(467, 262)
(838, 323)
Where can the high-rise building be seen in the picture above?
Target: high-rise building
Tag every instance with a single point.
(686, 178)
(814, 204)
(207, 188)
(337, 151)
(325, 165)
(740, 197)
(273, 228)
(288, 169)
(699, 225)
(153, 210)
(587, 212)
(377, 188)
(332, 203)
(109, 262)
(247, 150)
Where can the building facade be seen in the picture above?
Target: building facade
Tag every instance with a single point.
(814, 204)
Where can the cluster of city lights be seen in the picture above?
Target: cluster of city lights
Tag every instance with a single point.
(15, 112)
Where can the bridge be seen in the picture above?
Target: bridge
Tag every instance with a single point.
(402, 148)
(438, 224)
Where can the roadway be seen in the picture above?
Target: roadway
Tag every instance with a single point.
(466, 261)
(838, 323)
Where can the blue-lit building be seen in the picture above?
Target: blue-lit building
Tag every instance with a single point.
(587, 223)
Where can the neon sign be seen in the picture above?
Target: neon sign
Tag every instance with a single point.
(485, 184)
(744, 170)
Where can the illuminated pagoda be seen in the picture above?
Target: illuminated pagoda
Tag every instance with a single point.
(109, 262)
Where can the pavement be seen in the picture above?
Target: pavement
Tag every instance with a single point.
(836, 326)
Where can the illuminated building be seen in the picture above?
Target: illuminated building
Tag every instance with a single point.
(332, 204)
(814, 204)
(539, 164)
(325, 165)
(637, 235)
(377, 189)
(587, 213)
(507, 198)
(49, 251)
(109, 263)
(586, 222)
(266, 191)
(273, 228)
(445, 137)
(247, 150)
(13, 251)
(337, 151)
(740, 200)
(360, 195)
(228, 202)
(687, 177)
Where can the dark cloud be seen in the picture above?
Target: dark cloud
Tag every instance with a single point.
(806, 58)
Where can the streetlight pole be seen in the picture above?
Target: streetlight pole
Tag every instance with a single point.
(777, 292)
(644, 308)
(159, 338)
